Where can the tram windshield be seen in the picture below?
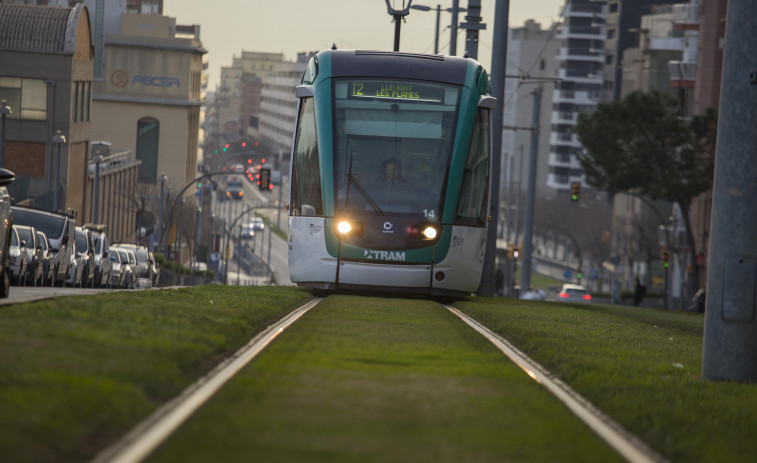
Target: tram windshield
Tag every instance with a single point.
(392, 142)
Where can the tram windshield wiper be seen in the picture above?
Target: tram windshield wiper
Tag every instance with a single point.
(353, 180)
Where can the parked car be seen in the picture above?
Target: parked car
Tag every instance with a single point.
(140, 253)
(60, 231)
(48, 259)
(6, 222)
(153, 270)
(119, 269)
(85, 247)
(75, 272)
(36, 263)
(19, 259)
(102, 262)
(573, 293)
(128, 265)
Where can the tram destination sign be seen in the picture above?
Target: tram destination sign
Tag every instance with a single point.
(396, 90)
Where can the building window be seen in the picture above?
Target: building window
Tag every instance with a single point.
(612, 8)
(610, 34)
(148, 136)
(609, 59)
(26, 97)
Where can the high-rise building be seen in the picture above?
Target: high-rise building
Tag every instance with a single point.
(581, 61)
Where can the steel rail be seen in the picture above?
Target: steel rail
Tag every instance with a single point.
(146, 436)
(626, 444)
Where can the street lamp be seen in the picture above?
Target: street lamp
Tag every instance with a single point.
(59, 139)
(453, 26)
(163, 179)
(5, 110)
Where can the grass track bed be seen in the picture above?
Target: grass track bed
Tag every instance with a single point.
(378, 379)
(640, 366)
(76, 373)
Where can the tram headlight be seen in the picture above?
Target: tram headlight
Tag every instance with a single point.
(349, 228)
(343, 227)
(430, 232)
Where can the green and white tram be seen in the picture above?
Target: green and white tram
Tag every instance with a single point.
(390, 173)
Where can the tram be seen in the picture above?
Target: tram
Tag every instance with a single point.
(389, 184)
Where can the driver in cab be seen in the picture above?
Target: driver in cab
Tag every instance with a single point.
(391, 172)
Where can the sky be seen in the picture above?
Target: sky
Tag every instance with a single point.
(227, 27)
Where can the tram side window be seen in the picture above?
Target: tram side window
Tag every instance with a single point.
(306, 173)
(471, 207)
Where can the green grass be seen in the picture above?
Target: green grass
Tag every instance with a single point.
(640, 366)
(358, 378)
(379, 379)
(76, 373)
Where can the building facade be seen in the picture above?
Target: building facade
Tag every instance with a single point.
(49, 89)
(150, 99)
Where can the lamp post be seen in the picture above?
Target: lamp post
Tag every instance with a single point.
(5, 110)
(399, 16)
(59, 139)
(96, 190)
(163, 179)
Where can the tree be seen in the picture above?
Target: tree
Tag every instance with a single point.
(641, 145)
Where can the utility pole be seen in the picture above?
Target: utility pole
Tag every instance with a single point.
(730, 328)
(528, 226)
(499, 67)
(453, 28)
(472, 25)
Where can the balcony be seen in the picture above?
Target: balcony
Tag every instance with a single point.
(564, 117)
(565, 139)
(580, 55)
(567, 31)
(682, 75)
(585, 79)
(686, 16)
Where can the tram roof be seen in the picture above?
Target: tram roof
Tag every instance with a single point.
(437, 68)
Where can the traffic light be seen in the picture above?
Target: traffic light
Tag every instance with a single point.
(199, 184)
(265, 179)
(575, 191)
(665, 259)
(579, 273)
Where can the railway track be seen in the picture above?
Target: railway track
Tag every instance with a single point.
(145, 438)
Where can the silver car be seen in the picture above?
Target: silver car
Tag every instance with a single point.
(573, 293)
(36, 264)
(48, 272)
(19, 259)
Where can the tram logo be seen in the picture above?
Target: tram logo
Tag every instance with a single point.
(388, 227)
(384, 255)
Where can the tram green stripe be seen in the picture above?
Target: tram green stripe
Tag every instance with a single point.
(380, 379)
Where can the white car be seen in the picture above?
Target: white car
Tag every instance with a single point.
(573, 293)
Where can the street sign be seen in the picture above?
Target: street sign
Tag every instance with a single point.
(567, 274)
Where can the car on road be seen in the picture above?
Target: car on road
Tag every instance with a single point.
(36, 263)
(247, 233)
(573, 293)
(48, 259)
(257, 223)
(60, 231)
(19, 259)
(234, 189)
